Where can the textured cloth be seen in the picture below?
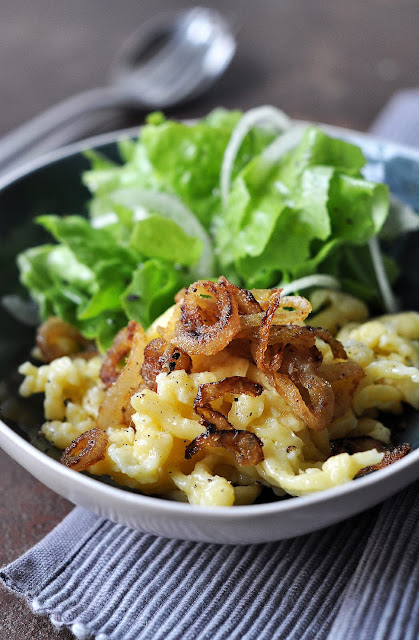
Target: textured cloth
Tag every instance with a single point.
(357, 580)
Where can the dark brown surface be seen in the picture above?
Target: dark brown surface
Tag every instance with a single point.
(332, 61)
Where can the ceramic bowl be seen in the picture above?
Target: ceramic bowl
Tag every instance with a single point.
(53, 185)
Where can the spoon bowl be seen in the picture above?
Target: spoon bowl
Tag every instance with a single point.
(174, 57)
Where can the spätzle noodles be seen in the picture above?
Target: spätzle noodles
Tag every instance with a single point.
(149, 453)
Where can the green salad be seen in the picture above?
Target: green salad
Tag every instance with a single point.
(254, 197)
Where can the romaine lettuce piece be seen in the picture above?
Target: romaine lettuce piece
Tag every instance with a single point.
(151, 290)
(285, 217)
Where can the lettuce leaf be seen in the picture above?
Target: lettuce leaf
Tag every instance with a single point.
(150, 291)
(187, 159)
(285, 218)
(160, 237)
(97, 283)
(151, 219)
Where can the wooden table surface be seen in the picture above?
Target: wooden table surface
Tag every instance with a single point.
(334, 61)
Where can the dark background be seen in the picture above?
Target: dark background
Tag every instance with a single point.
(334, 61)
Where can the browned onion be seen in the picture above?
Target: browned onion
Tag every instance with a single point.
(355, 444)
(246, 301)
(288, 354)
(180, 294)
(161, 356)
(116, 408)
(316, 409)
(335, 346)
(392, 454)
(120, 348)
(301, 307)
(211, 391)
(344, 378)
(209, 318)
(56, 338)
(86, 450)
(245, 446)
(274, 357)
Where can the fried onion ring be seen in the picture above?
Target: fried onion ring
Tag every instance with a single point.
(86, 450)
(246, 301)
(209, 318)
(161, 356)
(211, 391)
(245, 446)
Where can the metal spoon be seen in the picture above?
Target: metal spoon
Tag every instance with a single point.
(171, 58)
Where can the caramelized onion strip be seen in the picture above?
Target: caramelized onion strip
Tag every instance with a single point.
(246, 301)
(316, 409)
(161, 356)
(116, 408)
(209, 318)
(119, 349)
(234, 384)
(245, 446)
(356, 444)
(301, 309)
(260, 351)
(366, 443)
(56, 338)
(335, 346)
(391, 455)
(211, 391)
(344, 378)
(86, 450)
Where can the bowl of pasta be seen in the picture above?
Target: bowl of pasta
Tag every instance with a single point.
(210, 330)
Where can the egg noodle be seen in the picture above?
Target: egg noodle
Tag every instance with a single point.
(147, 451)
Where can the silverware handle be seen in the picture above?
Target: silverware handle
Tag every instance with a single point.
(60, 115)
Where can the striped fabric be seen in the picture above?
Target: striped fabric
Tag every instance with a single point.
(358, 580)
(355, 580)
